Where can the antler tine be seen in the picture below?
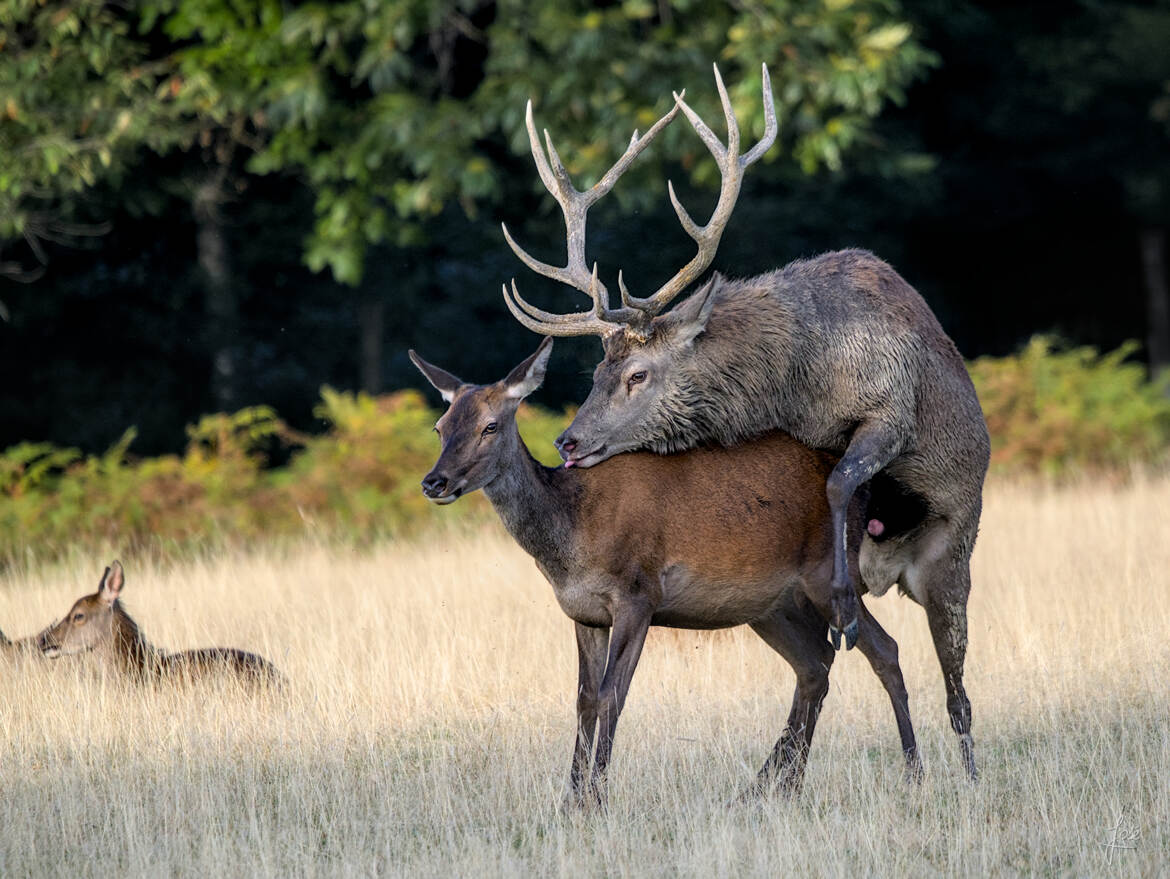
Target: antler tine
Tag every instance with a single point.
(770, 126)
(585, 323)
(728, 114)
(557, 273)
(731, 168)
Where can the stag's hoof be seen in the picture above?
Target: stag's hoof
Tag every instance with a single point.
(850, 636)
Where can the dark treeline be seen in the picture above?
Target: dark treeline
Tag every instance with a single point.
(1021, 187)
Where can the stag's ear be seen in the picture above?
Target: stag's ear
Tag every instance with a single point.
(445, 383)
(529, 375)
(688, 320)
(111, 585)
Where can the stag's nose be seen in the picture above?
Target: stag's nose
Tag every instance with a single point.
(434, 484)
(565, 445)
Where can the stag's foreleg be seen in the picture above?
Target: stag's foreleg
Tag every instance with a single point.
(882, 652)
(796, 631)
(592, 644)
(630, 624)
(873, 445)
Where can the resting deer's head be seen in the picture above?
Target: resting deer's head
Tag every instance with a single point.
(90, 622)
(478, 430)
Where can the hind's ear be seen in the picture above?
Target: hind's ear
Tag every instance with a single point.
(443, 382)
(688, 320)
(529, 375)
(112, 581)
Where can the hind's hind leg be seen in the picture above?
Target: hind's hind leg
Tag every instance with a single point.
(796, 631)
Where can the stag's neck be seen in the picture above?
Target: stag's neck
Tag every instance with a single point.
(731, 392)
(131, 649)
(536, 505)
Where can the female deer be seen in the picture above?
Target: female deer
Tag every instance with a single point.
(688, 540)
(99, 623)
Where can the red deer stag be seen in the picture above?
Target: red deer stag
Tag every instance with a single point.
(702, 540)
(838, 351)
(99, 623)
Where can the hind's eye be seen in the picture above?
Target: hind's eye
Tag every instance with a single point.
(78, 617)
(636, 379)
(492, 427)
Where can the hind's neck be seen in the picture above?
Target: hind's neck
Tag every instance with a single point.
(131, 649)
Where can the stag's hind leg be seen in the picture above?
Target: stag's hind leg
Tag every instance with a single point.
(873, 445)
(796, 631)
(947, 585)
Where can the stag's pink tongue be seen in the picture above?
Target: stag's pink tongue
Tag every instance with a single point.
(569, 464)
(875, 528)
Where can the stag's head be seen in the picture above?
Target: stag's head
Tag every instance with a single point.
(639, 386)
(634, 386)
(90, 622)
(478, 430)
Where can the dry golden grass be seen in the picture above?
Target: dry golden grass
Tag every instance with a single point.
(427, 726)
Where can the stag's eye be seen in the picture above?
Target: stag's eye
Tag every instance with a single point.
(492, 427)
(636, 379)
(79, 618)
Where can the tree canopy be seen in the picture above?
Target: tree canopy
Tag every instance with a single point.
(294, 192)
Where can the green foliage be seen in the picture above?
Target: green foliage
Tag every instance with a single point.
(1059, 410)
(1050, 410)
(75, 101)
(357, 481)
(388, 140)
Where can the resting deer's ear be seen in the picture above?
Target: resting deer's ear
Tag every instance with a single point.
(443, 382)
(529, 375)
(111, 585)
(688, 320)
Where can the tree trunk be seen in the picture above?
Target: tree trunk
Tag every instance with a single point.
(372, 316)
(1153, 248)
(218, 290)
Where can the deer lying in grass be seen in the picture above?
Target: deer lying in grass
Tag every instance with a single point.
(702, 540)
(99, 623)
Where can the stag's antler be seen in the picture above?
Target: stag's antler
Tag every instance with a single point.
(731, 168)
(635, 314)
(601, 319)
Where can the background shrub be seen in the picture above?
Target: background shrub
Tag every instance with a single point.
(246, 476)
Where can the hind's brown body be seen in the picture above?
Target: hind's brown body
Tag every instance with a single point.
(730, 527)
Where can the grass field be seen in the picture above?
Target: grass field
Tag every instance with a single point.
(427, 725)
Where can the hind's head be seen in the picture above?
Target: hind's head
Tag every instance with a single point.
(478, 430)
(90, 621)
